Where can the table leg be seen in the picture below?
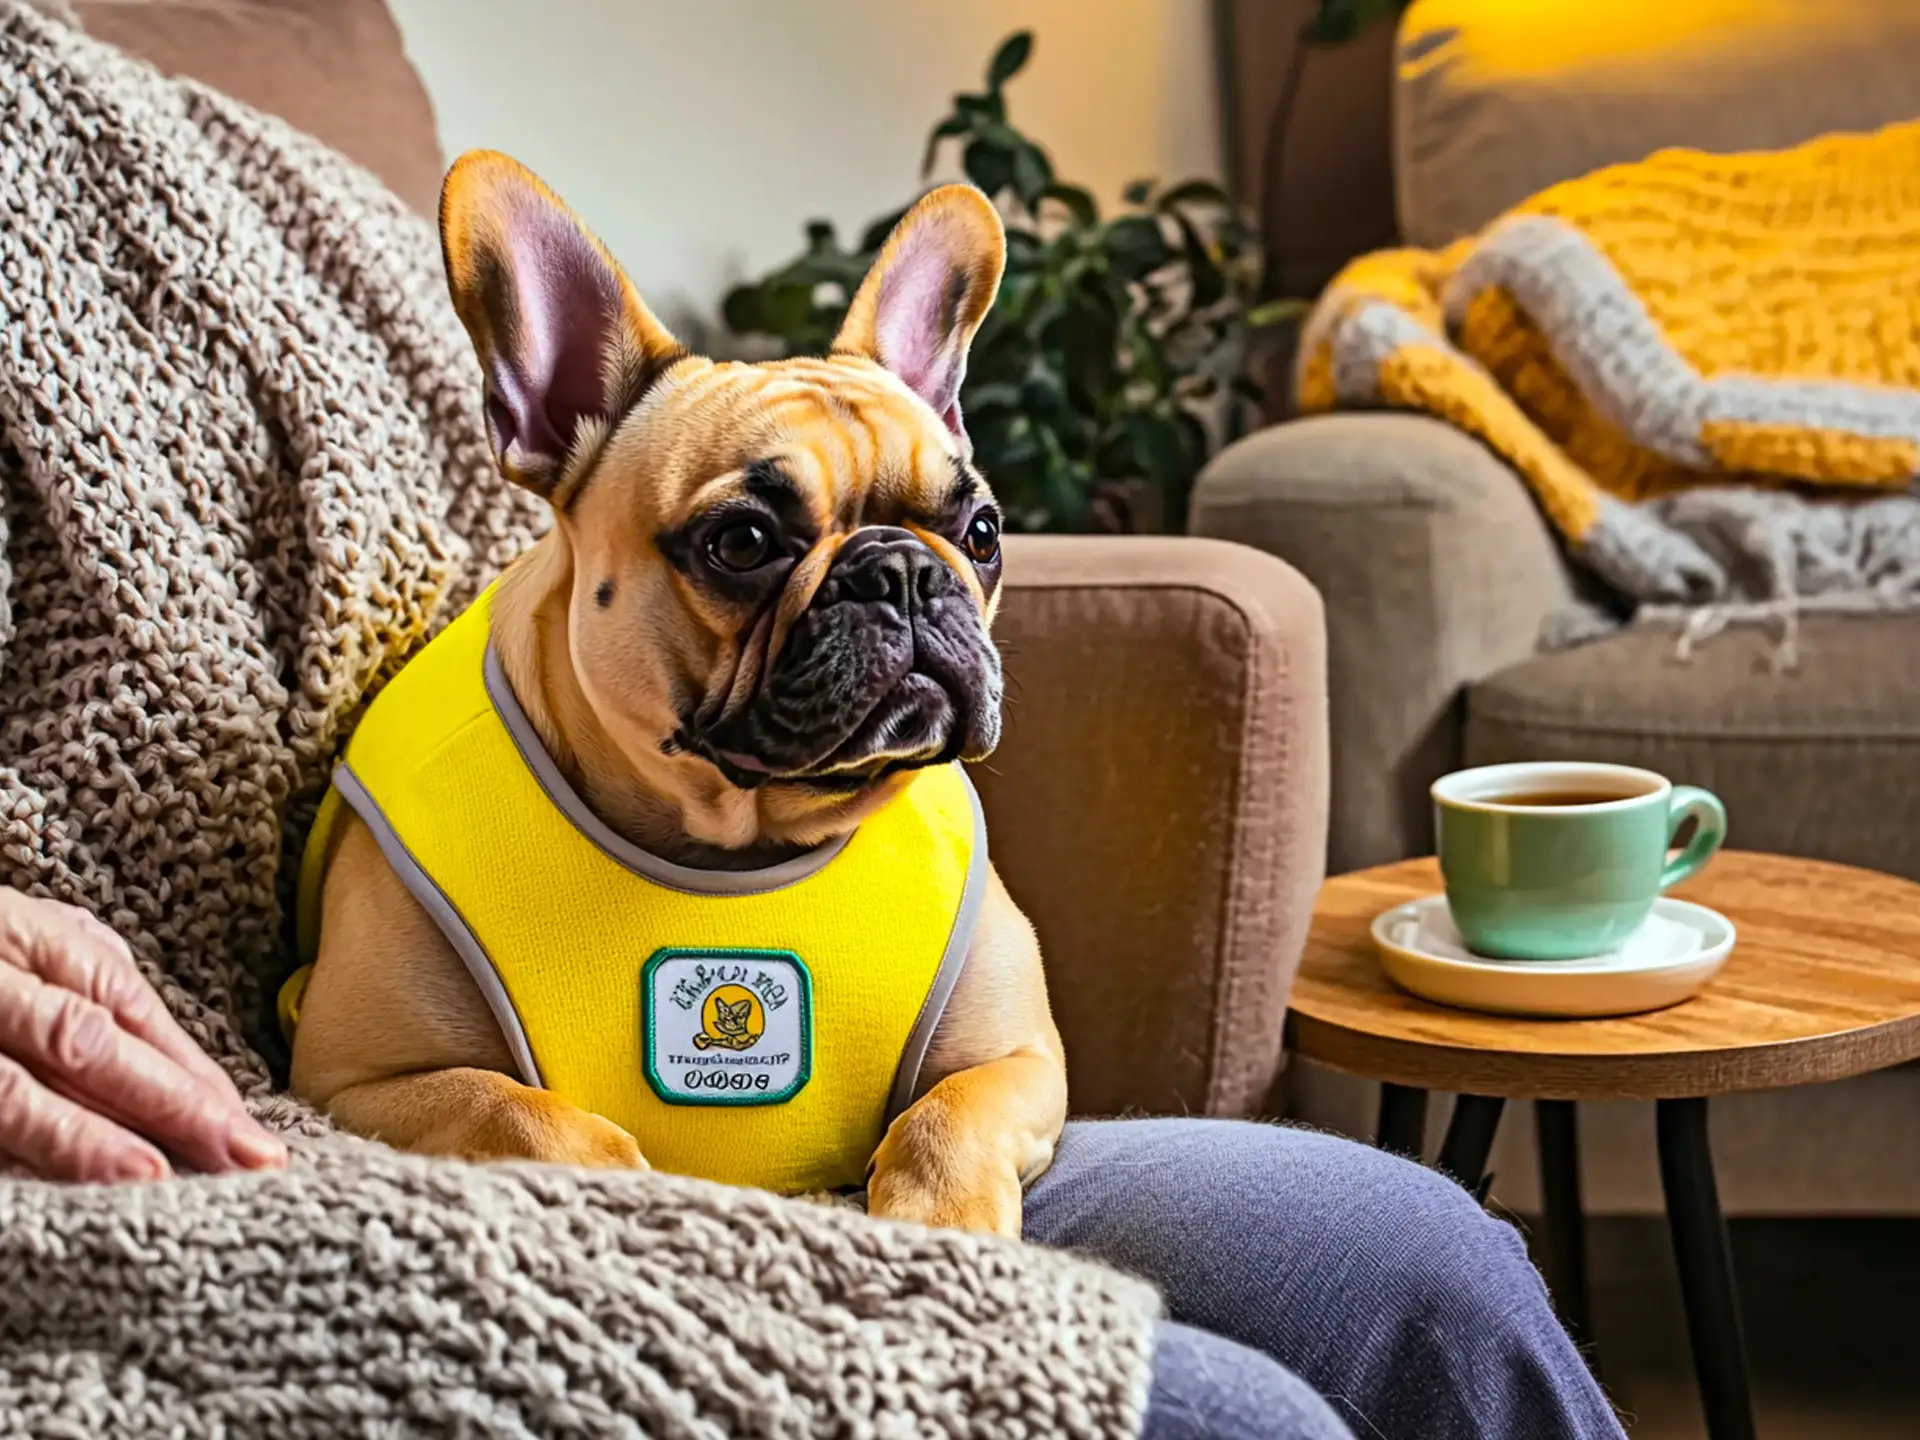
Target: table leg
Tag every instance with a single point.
(1403, 1120)
(1702, 1257)
(1563, 1226)
(1463, 1154)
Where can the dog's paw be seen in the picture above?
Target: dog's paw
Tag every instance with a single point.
(539, 1125)
(601, 1145)
(978, 1196)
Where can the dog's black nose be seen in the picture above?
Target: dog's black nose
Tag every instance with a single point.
(884, 562)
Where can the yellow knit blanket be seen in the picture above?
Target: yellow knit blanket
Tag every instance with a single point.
(1655, 327)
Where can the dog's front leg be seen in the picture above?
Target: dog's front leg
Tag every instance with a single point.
(482, 1115)
(961, 1155)
(985, 1128)
(397, 1043)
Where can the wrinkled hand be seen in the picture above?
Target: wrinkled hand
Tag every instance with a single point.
(95, 1076)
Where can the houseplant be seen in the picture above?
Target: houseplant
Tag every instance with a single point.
(1109, 367)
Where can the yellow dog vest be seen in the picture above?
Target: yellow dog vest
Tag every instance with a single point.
(758, 1028)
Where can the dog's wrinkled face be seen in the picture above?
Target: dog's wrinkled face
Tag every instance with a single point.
(782, 573)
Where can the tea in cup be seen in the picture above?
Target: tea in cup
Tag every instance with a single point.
(1554, 860)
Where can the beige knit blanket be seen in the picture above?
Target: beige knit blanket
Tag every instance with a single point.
(244, 477)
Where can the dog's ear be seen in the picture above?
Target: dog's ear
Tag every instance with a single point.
(934, 280)
(564, 340)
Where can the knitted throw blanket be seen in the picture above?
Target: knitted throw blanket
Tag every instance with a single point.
(1706, 367)
(244, 476)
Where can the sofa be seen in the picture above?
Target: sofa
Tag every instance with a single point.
(1158, 805)
(1438, 572)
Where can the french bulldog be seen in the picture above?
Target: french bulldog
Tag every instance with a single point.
(761, 615)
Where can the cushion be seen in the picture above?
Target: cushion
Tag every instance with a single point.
(1823, 761)
(333, 68)
(1497, 99)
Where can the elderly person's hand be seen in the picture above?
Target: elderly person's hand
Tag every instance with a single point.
(96, 1079)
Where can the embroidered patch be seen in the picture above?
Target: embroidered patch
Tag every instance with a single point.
(727, 1027)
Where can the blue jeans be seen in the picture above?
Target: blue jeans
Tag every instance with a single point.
(1317, 1288)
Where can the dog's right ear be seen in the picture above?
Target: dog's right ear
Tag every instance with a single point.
(564, 340)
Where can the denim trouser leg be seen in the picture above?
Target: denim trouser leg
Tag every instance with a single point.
(1378, 1282)
(1207, 1387)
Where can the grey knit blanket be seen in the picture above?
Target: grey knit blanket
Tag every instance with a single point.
(244, 477)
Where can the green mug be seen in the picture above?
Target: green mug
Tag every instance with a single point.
(1554, 860)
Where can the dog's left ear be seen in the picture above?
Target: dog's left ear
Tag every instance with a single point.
(934, 280)
(564, 340)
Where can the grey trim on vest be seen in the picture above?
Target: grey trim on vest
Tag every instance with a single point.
(959, 942)
(684, 878)
(435, 902)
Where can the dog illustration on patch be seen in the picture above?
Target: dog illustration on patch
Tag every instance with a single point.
(731, 1019)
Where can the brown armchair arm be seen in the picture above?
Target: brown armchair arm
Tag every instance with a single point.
(1158, 807)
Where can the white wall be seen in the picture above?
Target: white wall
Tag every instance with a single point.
(697, 136)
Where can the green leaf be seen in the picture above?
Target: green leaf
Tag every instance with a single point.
(1158, 446)
(1078, 200)
(1138, 192)
(981, 109)
(948, 128)
(1043, 392)
(1019, 446)
(989, 166)
(1194, 192)
(1274, 312)
(1089, 331)
(821, 267)
(1023, 248)
(742, 309)
(1209, 285)
(1136, 246)
(1004, 440)
(1002, 134)
(1065, 485)
(1048, 306)
(875, 235)
(788, 308)
(1032, 174)
(982, 398)
(1010, 59)
(775, 308)
(1017, 291)
(1148, 358)
(820, 237)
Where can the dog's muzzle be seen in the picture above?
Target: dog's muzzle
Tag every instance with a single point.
(888, 668)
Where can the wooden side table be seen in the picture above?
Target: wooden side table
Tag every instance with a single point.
(1823, 983)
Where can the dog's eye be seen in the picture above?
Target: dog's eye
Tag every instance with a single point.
(742, 546)
(983, 538)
